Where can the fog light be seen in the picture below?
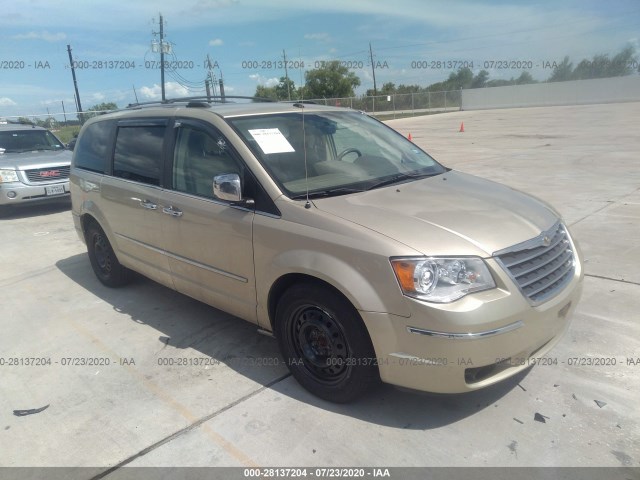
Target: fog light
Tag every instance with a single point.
(12, 194)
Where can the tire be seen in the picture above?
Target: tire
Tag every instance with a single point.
(325, 343)
(103, 259)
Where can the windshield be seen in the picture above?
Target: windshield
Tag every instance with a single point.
(345, 152)
(18, 141)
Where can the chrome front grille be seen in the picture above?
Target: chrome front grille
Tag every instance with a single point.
(543, 266)
(48, 174)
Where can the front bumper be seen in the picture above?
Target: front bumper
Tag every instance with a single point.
(472, 343)
(15, 193)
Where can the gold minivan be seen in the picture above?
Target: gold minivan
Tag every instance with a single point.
(365, 258)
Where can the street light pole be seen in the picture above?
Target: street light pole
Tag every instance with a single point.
(162, 57)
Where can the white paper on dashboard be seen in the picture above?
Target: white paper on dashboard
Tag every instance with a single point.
(271, 140)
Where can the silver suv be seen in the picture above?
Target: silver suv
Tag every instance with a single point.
(34, 165)
(366, 258)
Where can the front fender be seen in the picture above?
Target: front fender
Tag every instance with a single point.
(369, 285)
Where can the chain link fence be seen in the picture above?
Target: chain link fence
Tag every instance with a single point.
(401, 104)
(397, 104)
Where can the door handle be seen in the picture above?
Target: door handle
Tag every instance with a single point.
(171, 210)
(148, 205)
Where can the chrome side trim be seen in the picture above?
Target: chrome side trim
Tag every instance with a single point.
(467, 336)
(207, 267)
(185, 260)
(141, 244)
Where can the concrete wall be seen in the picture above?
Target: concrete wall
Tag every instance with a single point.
(578, 92)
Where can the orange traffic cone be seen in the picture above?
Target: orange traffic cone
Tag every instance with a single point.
(410, 138)
(461, 127)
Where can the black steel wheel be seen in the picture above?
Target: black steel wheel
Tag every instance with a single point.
(103, 259)
(325, 343)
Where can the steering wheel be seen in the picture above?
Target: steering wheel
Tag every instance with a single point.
(347, 151)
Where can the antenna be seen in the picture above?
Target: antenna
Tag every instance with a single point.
(307, 204)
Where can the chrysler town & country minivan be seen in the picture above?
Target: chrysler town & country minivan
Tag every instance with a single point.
(366, 258)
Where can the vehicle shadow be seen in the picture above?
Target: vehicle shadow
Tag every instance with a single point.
(34, 210)
(184, 323)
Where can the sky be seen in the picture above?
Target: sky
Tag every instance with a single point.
(412, 42)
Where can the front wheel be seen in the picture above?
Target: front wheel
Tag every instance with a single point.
(103, 259)
(325, 343)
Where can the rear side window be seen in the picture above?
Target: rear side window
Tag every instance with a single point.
(93, 147)
(138, 154)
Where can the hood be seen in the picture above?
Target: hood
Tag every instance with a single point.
(449, 214)
(37, 159)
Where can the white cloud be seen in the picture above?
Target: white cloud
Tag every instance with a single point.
(97, 97)
(320, 37)
(43, 35)
(6, 102)
(171, 89)
(267, 82)
(216, 42)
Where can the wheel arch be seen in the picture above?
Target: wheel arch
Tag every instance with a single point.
(286, 281)
(368, 288)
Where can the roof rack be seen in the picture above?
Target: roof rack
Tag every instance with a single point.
(305, 102)
(208, 99)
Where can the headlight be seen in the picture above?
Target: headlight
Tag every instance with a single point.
(7, 176)
(441, 280)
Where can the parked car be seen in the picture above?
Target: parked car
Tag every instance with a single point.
(366, 258)
(34, 165)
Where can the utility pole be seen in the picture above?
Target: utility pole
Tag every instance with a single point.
(64, 112)
(211, 76)
(206, 84)
(221, 88)
(373, 69)
(286, 74)
(164, 48)
(162, 56)
(75, 85)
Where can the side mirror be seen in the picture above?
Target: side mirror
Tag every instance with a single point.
(227, 187)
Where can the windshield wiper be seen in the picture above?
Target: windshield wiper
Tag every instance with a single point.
(398, 178)
(331, 192)
(390, 181)
(33, 149)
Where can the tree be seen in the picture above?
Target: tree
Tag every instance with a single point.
(460, 79)
(499, 83)
(562, 72)
(622, 63)
(286, 89)
(599, 66)
(100, 107)
(480, 80)
(388, 88)
(279, 91)
(331, 80)
(409, 88)
(266, 92)
(524, 78)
